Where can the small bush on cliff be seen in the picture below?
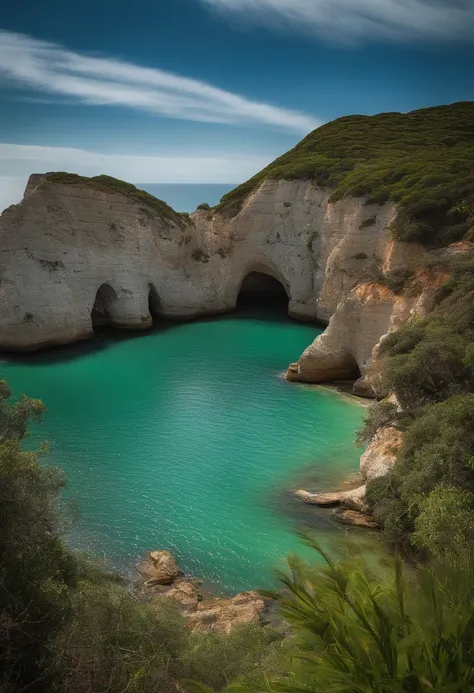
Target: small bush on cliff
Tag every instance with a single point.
(421, 160)
(358, 630)
(395, 280)
(204, 206)
(383, 413)
(368, 222)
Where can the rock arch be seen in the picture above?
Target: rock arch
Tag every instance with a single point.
(102, 310)
(261, 283)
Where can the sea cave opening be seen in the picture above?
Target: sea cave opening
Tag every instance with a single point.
(154, 304)
(260, 290)
(101, 314)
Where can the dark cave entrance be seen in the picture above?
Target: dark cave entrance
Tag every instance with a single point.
(262, 291)
(101, 310)
(154, 304)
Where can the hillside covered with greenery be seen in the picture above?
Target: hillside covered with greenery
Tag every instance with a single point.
(115, 185)
(426, 503)
(423, 161)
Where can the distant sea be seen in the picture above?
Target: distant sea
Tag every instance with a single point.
(185, 197)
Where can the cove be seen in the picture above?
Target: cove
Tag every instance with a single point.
(188, 438)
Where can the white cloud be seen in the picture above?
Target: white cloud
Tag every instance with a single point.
(357, 19)
(51, 69)
(21, 160)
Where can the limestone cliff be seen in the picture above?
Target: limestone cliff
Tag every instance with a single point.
(69, 251)
(365, 314)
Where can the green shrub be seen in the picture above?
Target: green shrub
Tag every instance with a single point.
(381, 414)
(395, 280)
(370, 221)
(204, 206)
(360, 629)
(445, 523)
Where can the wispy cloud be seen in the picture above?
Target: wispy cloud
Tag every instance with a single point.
(358, 19)
(17, 161)
(51, 69)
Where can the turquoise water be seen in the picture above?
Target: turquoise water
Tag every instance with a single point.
(188, 438)
(185, 197)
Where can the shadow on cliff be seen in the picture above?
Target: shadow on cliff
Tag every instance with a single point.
(271, 310)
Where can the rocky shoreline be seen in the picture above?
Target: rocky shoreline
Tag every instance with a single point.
(162, 578)
(350, 506)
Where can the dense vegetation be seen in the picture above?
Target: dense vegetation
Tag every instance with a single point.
(110, 184)
(363, 631)
(427, 501)
(423, 160)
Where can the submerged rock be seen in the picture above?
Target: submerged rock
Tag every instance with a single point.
(322, 499)
(355, 518)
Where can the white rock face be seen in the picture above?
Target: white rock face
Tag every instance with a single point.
(380, 455)
(62, 243)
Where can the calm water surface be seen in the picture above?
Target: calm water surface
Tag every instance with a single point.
(187, 438)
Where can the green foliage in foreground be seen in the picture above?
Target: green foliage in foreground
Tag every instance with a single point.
(421, 160)
(427, 501)
(66, 624)
(363, 631)
(110, 184)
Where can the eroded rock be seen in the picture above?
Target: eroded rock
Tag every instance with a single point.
(354, 498)
(381, 453)
(160, 568)
(185, 593)
(164, 580)
(223, 614)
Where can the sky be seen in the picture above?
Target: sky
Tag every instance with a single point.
(210, 91)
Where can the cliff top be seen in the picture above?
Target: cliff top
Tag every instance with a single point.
(115, 185)
(421, 160)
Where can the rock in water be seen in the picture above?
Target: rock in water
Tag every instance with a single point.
(159, 569)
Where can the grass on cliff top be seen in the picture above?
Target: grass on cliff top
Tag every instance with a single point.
(110, 184)
(423, 160)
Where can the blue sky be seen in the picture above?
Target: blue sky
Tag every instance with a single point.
(211, 90)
